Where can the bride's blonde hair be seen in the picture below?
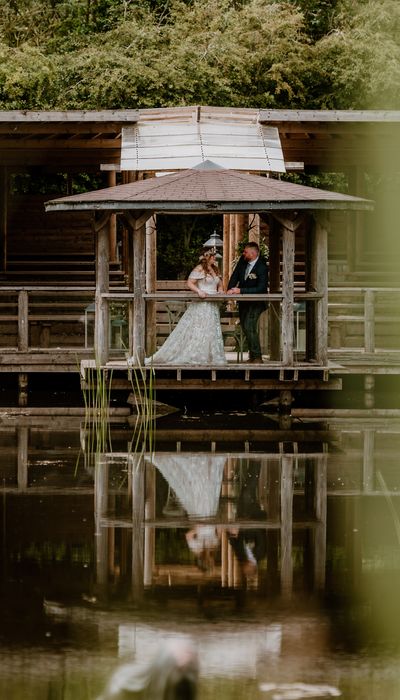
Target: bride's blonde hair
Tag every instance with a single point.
(204, 260)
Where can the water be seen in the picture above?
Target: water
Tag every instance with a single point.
(279, 554)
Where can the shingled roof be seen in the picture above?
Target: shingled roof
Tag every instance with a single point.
(207, 189)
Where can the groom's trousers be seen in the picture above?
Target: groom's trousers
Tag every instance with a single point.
(249, 314)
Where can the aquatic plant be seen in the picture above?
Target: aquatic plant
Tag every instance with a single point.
(96, 389)
(144, 398)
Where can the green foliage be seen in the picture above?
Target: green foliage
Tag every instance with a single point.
(181, 240)
(337, 182)
(359, 61)
(98, 54)
(137, 55)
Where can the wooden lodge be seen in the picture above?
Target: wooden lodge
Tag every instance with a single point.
(333, 296)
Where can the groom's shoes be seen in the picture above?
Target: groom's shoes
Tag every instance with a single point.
(255, 360)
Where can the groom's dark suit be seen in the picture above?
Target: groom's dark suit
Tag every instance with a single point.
(249, 312)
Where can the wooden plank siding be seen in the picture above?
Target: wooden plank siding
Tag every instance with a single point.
(34, 234)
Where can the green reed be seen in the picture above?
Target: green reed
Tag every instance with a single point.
(97, 399)
(142, 381)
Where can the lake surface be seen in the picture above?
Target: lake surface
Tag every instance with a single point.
(277, 553)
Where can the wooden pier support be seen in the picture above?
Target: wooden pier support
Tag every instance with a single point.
(138, 468)
(101, 532)
(286, 525)
(101, 330)
(22, 389)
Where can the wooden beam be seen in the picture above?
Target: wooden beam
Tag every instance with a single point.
(291, 221)
(136, 222)
(73, 116)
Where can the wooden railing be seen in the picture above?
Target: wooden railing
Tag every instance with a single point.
(361, 319)
(365, 319)
(26, 307)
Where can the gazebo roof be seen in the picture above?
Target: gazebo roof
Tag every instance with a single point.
(208, 188)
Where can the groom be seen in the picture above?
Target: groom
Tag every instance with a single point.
(250, 276)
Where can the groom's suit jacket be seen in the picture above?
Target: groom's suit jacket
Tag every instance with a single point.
(256, 282)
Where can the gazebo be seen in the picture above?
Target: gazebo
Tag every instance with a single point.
(285, 207)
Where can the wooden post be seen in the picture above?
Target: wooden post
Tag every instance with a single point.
(226, 257)
(3, 217)
(368, 459)
(101, 321)
(112, 181)
(149, 533)
(288, 294)
(23, 325)
(151, 283)
(274, 287)
(320, 501)
(286, 525)
(319, 277)
(101, 532)
(22, 447)
(355, 247)
(138, 229)
(139, 286)
(273, 510)
(22, 389)
(369, 320)
(240, 228)
(137, 529)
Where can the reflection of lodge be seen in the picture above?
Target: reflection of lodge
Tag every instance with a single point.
(47, 500)
(138, 517)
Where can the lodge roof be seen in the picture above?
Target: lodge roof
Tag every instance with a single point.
(84, 140)
(208, 189)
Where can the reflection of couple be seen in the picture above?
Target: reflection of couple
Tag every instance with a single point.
(197, 480)
(197, 338)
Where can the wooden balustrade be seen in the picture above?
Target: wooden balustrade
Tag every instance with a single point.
(360, 319)
(365, 319)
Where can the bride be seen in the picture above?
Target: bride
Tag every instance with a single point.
(197, 338)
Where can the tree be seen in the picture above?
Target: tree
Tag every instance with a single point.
(359, 61)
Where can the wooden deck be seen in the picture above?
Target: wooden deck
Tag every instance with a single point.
(268, 375)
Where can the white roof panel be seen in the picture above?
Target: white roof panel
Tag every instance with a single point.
(176, 145)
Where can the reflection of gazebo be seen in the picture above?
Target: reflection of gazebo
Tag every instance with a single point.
(286, 208)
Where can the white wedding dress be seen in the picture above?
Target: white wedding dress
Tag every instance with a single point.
(197, 338)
